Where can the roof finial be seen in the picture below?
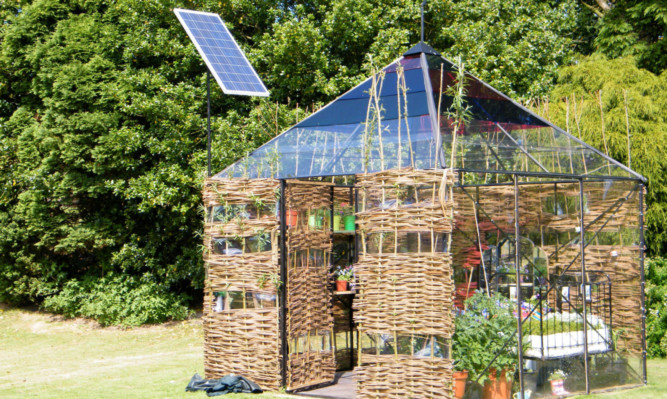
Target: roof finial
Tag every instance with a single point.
(423, 4)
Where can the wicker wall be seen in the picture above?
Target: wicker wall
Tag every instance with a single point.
(244, 338)
(405, 293)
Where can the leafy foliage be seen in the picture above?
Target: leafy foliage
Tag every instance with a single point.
(485, 329)
(656, 307)
(516, 46)
(103, 157)
(634, 28)
(575, 105)
(118, 300)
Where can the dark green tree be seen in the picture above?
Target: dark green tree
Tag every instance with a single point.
(632, 27)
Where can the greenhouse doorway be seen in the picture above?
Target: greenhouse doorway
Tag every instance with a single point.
(320, 245)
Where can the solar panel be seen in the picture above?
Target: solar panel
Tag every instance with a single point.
(222, 55)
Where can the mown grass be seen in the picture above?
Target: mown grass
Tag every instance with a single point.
(656, 388)
(47, 357)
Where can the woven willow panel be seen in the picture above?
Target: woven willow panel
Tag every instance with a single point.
(416, 217)
(241, 228)
(310, 313)
(239, 191)
(313, 239)
(403, 177)
(404, 292)
(223, 272)
(242, 341)
(389, 377)
(302, 195)
(311, 368)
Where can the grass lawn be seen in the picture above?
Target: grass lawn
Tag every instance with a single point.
(47, 357)
(656, 388)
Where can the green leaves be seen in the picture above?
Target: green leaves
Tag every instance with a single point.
(485, 336)
(515, 46)
(656, 305)
(635, 28)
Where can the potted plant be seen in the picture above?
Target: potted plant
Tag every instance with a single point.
(556, 379)
(481, 331)
(343, 277)
(460, 377)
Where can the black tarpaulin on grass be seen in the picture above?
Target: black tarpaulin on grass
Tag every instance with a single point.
(222, 386)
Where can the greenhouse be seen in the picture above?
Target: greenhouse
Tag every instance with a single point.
(474, 241)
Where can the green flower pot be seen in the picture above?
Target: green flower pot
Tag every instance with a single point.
(348, 220)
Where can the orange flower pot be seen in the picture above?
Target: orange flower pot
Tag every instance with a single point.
(291, 217)
(497, 386)
(341, 285)
(460, 378)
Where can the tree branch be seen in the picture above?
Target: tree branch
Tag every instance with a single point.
(600, 9)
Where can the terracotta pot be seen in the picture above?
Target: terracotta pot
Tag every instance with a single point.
(460, 378)
(341, 285)
(291, 217)
(496, 387)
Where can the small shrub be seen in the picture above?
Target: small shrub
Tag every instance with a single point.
(118, 300)
(656, 307)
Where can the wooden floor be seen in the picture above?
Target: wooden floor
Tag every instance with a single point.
(343, 388)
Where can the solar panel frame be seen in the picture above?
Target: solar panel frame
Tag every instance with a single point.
(225, 67)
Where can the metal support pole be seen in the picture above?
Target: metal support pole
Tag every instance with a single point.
(208, 119)
(331, 221)
(284, 350)
(555, 214)
(583, 279)
(642, 247)
(517, 265)
(422, 8)
(354, 195)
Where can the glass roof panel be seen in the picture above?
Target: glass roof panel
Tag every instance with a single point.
(385, 123)
(380, 124)
(504, 136)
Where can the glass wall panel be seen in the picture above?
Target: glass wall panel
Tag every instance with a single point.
(612, 252)
(567, 309)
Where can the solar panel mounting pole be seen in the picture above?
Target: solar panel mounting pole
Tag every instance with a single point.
(224, 60)
(208, 119)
